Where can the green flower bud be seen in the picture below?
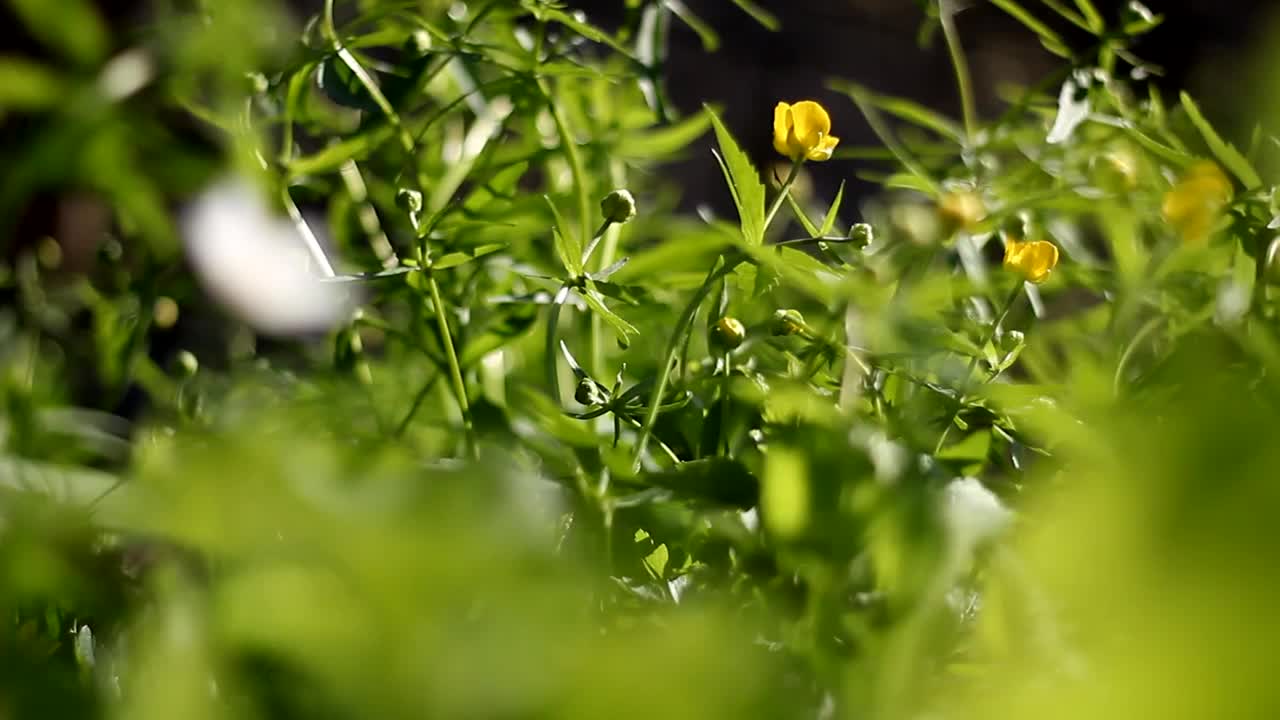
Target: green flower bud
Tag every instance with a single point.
(728, 333)
(787, 321)
(409, 200)
(589, 393)
(420, 42)
(862, 234)
(187, 363)
(618, 206)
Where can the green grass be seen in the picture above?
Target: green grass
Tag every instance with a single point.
(541, 471)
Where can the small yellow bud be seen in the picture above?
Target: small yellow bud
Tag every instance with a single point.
(728, 333)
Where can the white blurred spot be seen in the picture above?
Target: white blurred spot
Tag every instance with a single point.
(256, 264)
(973, 514)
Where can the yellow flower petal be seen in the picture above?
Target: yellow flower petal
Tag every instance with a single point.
(810, 123)
(824, 149)
(781, 128)
(1032, 260)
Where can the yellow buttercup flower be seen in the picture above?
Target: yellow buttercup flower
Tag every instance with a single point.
(1194, 204)
(1032, 260)
(803, 131)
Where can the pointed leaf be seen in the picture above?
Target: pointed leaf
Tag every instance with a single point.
(1224, 151)
(744, 182)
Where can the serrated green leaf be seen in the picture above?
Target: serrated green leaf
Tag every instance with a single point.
(744, 183)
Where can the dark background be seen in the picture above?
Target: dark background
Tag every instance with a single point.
(1200, 47)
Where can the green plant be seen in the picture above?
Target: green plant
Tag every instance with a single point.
(1001, 448)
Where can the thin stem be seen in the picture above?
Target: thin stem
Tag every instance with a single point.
(946, 15)
(783, 192)
(417, 403)
(551, 350)
(608, 253)
(451, 355)
(722, 443)
(724, 265)
(567, 144)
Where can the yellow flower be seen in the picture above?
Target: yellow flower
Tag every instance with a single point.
(1194, 204)
(803, 131)
(1032, 260)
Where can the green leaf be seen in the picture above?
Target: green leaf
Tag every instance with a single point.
(332, 157)
(72, 27)
(567, 248)
(664, 141)
(802, 216)
(72, 485)
(744, 183)
(1224, 151)
(595, 300)
(1051, 40)
(766, 19)
(28, 85)
(707, 34)
(454, 259)
(543, 11)
(829, 221)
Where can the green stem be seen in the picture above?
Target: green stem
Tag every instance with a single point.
(946, 15)
(451, 355)
(722, 443)
(550, 350)
(417, 403)
(724, 265)
(567, 144)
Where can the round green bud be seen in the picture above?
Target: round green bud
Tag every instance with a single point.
(787, 321)
(187, 363)
(728, 333)
(862, 234)
(420, 42)
(618, 207)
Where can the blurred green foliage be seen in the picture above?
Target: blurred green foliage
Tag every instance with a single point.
(562, 461)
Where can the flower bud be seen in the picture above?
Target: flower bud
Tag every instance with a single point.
(409, 200)
(588, 393)
(862, 234)
(419, 42)
(728, 333)
(187, 363)
(787, 321)
(618, 207)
